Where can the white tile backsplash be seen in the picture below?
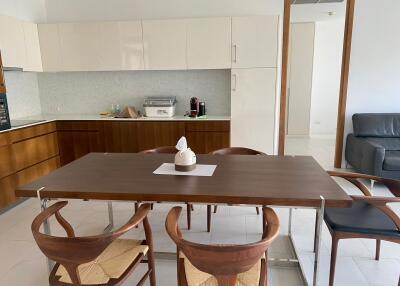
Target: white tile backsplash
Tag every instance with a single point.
(22, 94)
(92, 92)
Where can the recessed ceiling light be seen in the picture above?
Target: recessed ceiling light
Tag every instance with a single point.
(331, 13)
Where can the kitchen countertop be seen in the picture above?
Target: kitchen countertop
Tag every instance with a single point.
(46, 118)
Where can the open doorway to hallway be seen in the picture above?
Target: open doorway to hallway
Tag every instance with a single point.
(315, 60)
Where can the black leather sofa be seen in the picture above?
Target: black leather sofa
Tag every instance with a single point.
(374, 147)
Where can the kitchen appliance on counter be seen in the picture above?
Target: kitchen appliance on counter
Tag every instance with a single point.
(158, 106)
(4, 115)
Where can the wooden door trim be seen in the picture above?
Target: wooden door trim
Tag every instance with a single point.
(2, 80)
(348, 33)
(284, 77)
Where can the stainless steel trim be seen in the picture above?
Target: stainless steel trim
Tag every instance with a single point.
(12, 69)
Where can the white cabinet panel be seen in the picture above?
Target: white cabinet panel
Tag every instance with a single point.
(80, 49)
(253, 108)
(12, 42)
(120, 46)
(254, 41)
(164, 44)
(209, 43)
(32, 48)
(50, 47)
(301, 62)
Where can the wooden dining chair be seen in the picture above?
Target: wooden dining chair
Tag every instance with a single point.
(231, 151)
(369, 217)
(170, 150)
(95, 260)
(222, 265)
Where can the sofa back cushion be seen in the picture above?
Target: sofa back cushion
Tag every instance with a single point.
(376, 124)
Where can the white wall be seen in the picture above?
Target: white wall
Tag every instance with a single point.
(99, 10)
(29, 10)
(374, 83)
(328, 47)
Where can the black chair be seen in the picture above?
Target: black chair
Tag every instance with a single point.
(369, 217)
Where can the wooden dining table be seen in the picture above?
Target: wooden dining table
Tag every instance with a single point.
(285, 181)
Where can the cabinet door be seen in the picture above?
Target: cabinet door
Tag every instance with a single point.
(253, 109)
(157, 134)
(120, 46)
(254, 41)
(121, 137)
(7, 188)
(12, 42)
(209, 43)
(32, 48)
(80, 46)
(164, 44)
(50, 47)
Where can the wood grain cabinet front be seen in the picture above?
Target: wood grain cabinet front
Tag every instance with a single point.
(158, 133)
(35, 150)
(78, 138)
(7, 187)
(205, 137)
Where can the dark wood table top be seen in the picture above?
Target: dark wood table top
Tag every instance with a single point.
(238, 179)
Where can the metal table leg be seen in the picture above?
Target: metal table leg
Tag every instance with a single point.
(46, 229)
(110, 225)
(318, 240)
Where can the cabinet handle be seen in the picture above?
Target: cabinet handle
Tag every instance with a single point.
(234, 85)
(234, 52)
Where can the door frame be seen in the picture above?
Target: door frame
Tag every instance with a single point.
(348, 33)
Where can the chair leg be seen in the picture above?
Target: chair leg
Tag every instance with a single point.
(189, 215)
(209, 217)
(151, 206)
(258, 210)
(378, 249)
(215, 209)
(192, 207)
(335, 242)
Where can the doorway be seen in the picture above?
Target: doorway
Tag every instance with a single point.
(314, 75)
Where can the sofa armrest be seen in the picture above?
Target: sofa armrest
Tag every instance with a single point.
(366, 157)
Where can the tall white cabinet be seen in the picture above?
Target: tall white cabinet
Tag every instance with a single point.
(253, 108)
(254, 76)
(255, 41)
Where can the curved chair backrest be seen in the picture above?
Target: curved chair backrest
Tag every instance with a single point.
(236, 151)
(161, 150)
(72, 251)
(223, 262)
(379, 202)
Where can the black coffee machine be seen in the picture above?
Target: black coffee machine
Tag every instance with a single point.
(4, 115)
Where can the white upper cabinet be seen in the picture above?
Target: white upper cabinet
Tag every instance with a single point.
(120, 46)
(164, 44)
(209, 43)
(12, 42)
(32, 48)
(254, 41)
(80, 46)
(50, 47)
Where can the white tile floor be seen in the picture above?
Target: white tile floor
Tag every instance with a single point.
(22, 264)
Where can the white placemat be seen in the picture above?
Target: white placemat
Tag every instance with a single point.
(201, 170)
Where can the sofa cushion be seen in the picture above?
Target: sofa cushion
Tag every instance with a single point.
(389, 144)
(392, 161)
(376, 124)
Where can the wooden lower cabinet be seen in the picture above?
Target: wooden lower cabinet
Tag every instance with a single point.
(78, 138)
(121, 137)
(7, 194)
(206, 142)
(34, 172)
(158, 133)
(34, 150)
